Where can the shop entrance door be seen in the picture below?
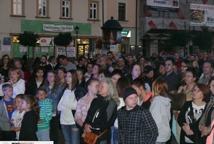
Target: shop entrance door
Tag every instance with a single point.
(83, 50)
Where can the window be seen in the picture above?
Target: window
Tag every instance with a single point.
(121, 11)
(93, 10)
(17, 7)
(65, 8)
(42, 8)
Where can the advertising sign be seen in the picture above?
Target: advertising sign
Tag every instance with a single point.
(202, 15)
(69, 51)
(45, 41)
(57, 28)
(163, 3)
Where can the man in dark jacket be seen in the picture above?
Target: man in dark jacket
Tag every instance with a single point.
(171, 78)
(136, 125)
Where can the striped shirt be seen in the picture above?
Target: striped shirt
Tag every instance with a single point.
(45, 113)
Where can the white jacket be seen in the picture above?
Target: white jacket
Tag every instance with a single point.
(160, 110)
(67, 103)
(19, 87)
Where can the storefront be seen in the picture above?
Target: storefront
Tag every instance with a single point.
(82, 40)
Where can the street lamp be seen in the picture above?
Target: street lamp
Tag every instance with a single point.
(76, 29)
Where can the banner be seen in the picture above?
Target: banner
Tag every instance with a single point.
(163, 3)
(57, 28)
(202, 15)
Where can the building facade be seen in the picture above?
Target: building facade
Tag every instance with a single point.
(159, 20)
(82, 18)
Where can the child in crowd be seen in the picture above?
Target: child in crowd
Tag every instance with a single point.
(17, 115)
(30, 119)
(6, 110)
(136, 125)
(16, 81)
(45, 115)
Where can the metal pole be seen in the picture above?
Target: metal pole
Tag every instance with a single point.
(77, 52)
(136, 24)
(102, 12)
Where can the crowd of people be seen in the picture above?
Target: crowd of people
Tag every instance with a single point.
(119, 99)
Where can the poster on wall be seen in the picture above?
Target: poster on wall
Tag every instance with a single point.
(60, 51)
(6, 48)
(202, 15)
(71, 51)
(163, 3)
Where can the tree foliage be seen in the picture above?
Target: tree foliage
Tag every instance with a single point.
(28, 39)
(63, 39)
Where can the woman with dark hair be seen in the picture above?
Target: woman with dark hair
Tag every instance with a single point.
(54, 92)
(190, 78)
(185, 64)
(81, 88)
(96, 71)
(190, 116)
(88, 71)
(135, 72)
(122, 84)
(36, 81)
(116, 75)
(66, 106)
(206, 124)
(4, 67)
(102, 112)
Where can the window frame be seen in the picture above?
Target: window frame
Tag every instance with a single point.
(22, 9)
(97, 11)
(125, 13)
(61, 10)
(47, 10)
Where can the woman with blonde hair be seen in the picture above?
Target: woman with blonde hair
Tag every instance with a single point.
(160, 110)
(16, 81)
(103, 109)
